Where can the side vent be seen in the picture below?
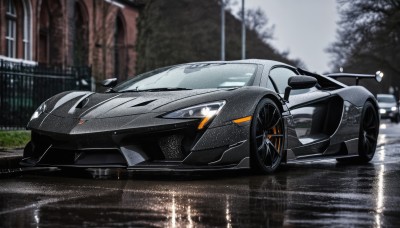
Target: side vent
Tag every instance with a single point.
(143, 103)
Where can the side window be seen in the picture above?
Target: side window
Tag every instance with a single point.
(270, 85)
(280, 76)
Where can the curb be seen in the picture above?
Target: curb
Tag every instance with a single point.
(10, 159)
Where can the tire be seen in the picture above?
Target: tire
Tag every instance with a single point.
(368, 136)
(267, 137)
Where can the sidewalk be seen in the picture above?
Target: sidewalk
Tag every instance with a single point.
(9, 159)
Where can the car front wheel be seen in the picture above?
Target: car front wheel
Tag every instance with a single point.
(267, 137)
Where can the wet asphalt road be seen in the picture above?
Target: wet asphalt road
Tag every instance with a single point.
(312, 194)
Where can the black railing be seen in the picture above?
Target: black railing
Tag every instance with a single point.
(24, 87)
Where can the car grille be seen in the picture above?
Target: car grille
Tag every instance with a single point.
(171, 147)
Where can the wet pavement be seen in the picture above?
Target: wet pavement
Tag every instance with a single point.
(309, 194)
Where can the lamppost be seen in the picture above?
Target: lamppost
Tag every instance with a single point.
(222, 30)
(222, 2)
(243, 33)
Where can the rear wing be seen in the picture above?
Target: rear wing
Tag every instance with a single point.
(378, 76)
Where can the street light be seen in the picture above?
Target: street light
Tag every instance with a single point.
(222, 30)
(243, 33)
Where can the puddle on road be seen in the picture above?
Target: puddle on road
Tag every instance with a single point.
(304, 194)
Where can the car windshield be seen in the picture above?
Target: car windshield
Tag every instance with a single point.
(192, 76)
(386, 99)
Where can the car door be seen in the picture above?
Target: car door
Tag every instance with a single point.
(308, 127)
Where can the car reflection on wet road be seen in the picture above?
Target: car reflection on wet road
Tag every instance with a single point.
(322, 193)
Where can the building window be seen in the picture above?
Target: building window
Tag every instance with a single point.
(81, 35)
(18, 29)
(119, 50)
(44, 34)
(51, 25)
(26, 39)
(11, 35)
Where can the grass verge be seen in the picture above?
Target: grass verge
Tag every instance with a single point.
(14, 139)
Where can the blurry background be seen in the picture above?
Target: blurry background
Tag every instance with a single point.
(49, 46)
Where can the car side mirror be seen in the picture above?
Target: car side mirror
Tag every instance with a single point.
(299, 82)
(111, 82)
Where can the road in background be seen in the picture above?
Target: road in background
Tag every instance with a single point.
(323, 193)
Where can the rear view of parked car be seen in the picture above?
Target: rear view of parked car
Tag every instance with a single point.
(388, 107)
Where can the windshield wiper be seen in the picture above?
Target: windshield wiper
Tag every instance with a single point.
(156, 89)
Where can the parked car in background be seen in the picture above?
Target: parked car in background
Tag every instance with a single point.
(388, 107)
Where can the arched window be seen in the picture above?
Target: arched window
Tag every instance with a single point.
(18, 34)
(119, 49)
(44, 33)
(81, 41)
(27, 37)
(50, 33)
(11, 35)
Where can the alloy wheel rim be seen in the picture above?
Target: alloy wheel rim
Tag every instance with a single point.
(369, 131)
(269, 136)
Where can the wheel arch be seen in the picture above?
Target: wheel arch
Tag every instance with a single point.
(275, 99)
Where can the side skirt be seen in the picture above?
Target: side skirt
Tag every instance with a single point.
(349, 148)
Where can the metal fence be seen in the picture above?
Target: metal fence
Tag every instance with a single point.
(24, 87)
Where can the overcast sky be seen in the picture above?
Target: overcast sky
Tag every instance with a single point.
(304, 27)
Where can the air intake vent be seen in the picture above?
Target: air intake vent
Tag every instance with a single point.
(171, 147)
(82, 103)
(85, 157)
(143, 103)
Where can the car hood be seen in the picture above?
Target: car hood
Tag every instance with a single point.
(89, 105)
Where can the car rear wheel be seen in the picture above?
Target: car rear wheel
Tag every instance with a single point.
(368, 135)
(267, 137)
(369, 128)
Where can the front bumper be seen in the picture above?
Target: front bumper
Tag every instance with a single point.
(178, 146)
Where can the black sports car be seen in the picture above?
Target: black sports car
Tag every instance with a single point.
(204, 116)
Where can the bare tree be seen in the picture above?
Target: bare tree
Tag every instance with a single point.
(256, 20)
(368, 29)
(368, 38)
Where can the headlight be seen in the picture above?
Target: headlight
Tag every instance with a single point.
(382, 111)
(206, 112)
(394, 108)
(39, 111)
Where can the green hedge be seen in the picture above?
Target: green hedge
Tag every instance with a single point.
(14, 139)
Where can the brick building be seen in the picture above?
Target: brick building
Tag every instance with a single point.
(97, 33)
